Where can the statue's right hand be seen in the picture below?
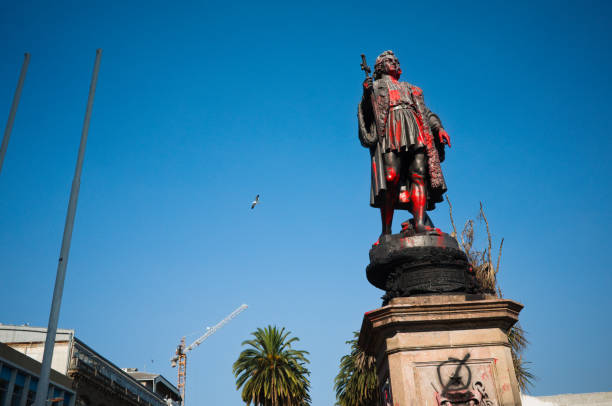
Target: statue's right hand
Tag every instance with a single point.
(367, 83)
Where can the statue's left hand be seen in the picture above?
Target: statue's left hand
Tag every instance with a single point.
(444, 137)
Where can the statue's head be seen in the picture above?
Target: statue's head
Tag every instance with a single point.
(387, 63)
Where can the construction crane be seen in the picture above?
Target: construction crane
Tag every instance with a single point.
(180, 358)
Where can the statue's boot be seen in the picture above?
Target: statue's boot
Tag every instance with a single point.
(408, 225)
(391, 196)
(386, 215)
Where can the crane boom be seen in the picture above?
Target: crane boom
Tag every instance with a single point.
(212, 330)
(180, 358)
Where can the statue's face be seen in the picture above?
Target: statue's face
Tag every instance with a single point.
(392, 66)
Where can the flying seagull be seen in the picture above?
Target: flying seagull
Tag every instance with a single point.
(255, 202)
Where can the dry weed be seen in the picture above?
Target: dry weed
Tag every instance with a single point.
(486, 272)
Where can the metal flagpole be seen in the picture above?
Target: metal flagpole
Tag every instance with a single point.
(43, 382)
(11, 119)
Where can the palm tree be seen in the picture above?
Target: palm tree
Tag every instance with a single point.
(357, 383)
(271, 372)
(518, 342)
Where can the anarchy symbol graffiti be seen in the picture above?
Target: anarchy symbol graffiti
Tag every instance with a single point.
(457, 380)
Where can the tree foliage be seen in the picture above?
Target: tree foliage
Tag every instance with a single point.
(518, 343)
(271, 372)
(357, 383)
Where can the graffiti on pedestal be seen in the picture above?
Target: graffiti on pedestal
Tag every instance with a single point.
(458, 387)
(386, 395)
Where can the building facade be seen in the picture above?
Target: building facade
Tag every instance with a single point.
(19, 376)
(155, 383)
(93, 379)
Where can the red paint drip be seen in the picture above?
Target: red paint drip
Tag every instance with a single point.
(394, 96)
(417, 194)
(423, 139)
(408, 242)
(418, 179)
(418, 200)
(375, 170)
(398, 133)
(392, 175)
(440, 237)
(391, 127)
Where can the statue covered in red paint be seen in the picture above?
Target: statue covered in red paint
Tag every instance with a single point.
(406, 142)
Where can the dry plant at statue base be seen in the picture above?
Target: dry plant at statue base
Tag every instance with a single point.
(480, 260)
(486, 271)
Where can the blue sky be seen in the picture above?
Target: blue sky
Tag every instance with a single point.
(202, 105)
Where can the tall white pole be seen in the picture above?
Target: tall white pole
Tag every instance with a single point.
(43, 382)
(11, 119)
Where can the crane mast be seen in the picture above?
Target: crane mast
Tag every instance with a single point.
(182, 369)
(180, 358)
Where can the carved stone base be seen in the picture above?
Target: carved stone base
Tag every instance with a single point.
(433, 263)
(443, 350)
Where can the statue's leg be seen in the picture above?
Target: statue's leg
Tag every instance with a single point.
(418, 190)
(392, 176)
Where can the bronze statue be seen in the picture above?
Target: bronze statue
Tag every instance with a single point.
(406, 142)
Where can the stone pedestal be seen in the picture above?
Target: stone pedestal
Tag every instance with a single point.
(443, 350)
